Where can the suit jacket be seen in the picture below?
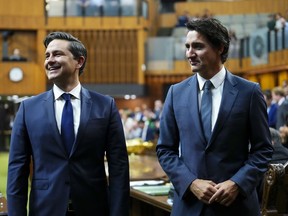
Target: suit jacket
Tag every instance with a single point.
(280, 154)
(282, 115)
(57, 175)
(272, 115)
(239, 148)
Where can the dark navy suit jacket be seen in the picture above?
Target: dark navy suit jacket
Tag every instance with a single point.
(272, 115)
(57, 175)
(239, 148)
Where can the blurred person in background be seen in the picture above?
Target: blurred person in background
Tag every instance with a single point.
(282, 112)
(271, 108)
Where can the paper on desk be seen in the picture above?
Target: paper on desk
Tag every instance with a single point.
(155, 190)
(146, 182)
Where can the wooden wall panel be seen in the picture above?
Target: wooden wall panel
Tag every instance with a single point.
(282, 76)
(33, 82)
(25, 41)
(122, 56)
(22, 8)
(112, 55)
(268, 80)
(234, 7)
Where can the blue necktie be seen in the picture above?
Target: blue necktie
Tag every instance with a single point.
(67, 123)
(206, 109)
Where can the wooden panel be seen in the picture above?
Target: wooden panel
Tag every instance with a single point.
(142, 204)
(122, 56)
(30, 85)
(106, 58)
(133, 76)
(114, 60)
(99, 56)
(235, 7)
(267, 80)
(131, 57)
(233, 65)
(252, 78)
(182, 67)
(19, 8)
(282, 75)
(141, 38)
(167, 20)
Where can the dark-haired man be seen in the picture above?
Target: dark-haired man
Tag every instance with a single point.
(67, 132)
(214, 159)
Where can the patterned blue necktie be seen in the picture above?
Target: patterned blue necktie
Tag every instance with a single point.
(206, 109)
(67, 123)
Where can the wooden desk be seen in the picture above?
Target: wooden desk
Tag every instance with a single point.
(144, 167)
(3, 206)
(147, 167)
(142, 204)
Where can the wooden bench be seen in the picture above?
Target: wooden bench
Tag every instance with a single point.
(275, 191)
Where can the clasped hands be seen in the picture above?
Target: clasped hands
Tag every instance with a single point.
(208, 192)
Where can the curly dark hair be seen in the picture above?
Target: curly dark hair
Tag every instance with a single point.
(213, 31)
(76, 47)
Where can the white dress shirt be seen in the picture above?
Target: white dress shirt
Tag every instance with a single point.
(217, 90)
(59, 104)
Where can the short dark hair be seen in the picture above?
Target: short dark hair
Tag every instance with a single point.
(268, 94)
(214, 31)
(76, 47)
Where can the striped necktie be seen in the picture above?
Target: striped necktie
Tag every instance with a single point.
(206, 109)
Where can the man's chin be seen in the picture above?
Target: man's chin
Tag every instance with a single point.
(51, 77)
(194, 69)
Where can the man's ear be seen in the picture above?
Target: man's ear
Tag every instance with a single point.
(81, 61)
(221, 49)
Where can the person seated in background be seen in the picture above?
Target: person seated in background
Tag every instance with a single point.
(271, 23)
(16, 56)
(183, 19)
(284, 135)
(280, 154)
(207, 13)
(282, 112)
(271, 108)
(280, 21)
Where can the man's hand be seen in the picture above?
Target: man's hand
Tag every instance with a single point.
(227, 192)
(203, 189)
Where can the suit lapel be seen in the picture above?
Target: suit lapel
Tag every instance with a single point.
(194, 104)
(86, 105)
(50, 111)
(229, 95)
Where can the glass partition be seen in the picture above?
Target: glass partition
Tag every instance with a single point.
(160, 53)
(91, 8)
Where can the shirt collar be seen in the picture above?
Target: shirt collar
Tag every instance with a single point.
(281, 101)
(58, 92)
(216, 80)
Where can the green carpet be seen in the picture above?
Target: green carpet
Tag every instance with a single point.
(3, 172)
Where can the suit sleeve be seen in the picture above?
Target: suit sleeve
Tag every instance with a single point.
(18, 167)
(118, 165)
(261, 149)
(168, 149)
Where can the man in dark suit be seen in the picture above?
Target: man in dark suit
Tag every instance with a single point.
(278, 96)
(217, 173)
(68, 180)
(271, 108)
(280, 154)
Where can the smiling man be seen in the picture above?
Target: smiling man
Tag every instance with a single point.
(214, 141)
(67, 132)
